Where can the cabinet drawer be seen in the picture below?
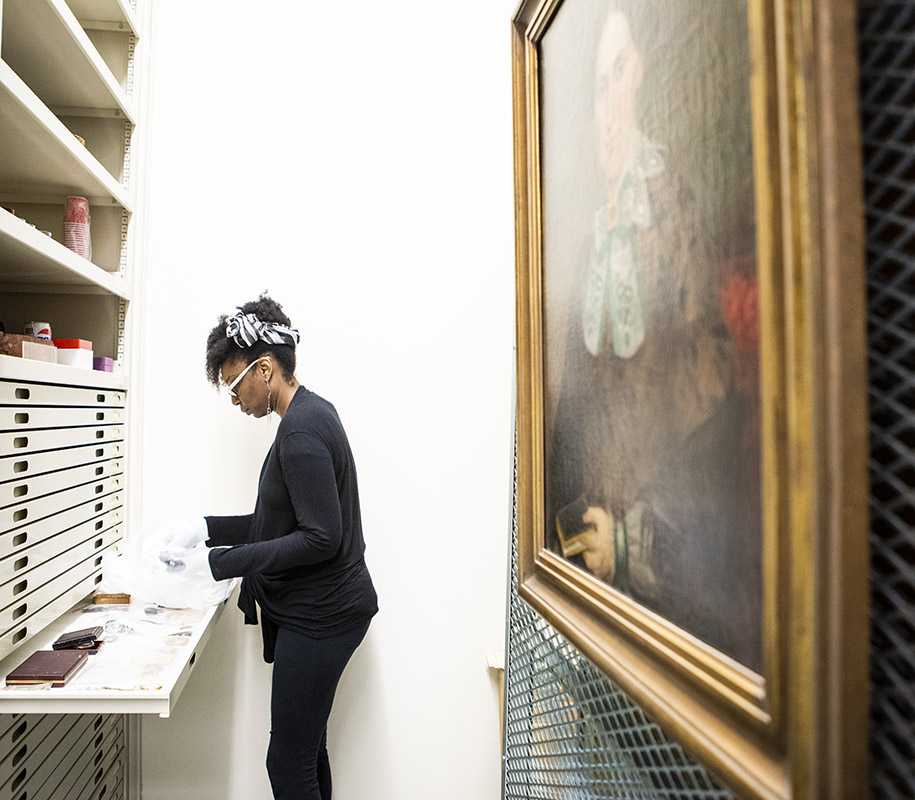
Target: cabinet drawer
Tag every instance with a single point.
(26, 442)
(40, 485)
(7, 723)
(31, 566)
(25, 757)
(107, 767)
(22, 740)
(23, 620)
(19, 467)
(18, 515)
(16, 595)
(13, 418)
(23, 393)
(40, 776)
(92, 517)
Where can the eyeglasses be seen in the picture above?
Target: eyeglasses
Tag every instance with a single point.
(231, 387)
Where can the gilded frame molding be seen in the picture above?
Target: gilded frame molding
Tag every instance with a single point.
(798, 729)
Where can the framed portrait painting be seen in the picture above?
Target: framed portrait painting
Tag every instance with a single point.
(692, 470)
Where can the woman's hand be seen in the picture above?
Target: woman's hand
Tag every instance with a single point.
(183, 533)
(599, 553)
(190, 562)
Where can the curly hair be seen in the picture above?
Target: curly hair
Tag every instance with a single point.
(220, 348)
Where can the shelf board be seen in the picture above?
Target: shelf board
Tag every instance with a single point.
(39, 157)
(30, 259)
(69, 73)
(119, 679)
(25, 369)
(118, 12)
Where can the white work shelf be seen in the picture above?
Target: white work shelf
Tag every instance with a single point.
(40, 158)
(110, 14)
(26, 369)
(70, 74)
(142, 668)
(31, 259)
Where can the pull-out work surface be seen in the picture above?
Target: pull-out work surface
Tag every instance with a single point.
(147, 657)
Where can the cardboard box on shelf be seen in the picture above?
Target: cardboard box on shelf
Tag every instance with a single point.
(21, 346)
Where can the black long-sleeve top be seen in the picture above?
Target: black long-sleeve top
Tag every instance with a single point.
(301, 551)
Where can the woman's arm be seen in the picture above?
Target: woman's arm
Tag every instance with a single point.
(308, 475)
(225, 531)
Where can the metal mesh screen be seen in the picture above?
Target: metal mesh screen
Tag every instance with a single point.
(887, 66)
(570, 733)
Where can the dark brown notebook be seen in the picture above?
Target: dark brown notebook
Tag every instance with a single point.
(56, 667)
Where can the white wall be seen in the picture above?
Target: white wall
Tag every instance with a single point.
(354, 159)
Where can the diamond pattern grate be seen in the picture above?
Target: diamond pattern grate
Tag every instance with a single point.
(571, 734)
(887, 66)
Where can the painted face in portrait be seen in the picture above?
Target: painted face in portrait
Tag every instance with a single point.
(617, 78)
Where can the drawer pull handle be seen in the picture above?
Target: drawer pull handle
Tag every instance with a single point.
(21, 441)
(98, 525)
(20, 563)
(19, 635)
(100, 434)
(96, 725)
(99, 470)
(21, 466)
(100, 488)
(98, 740)
(20, 515)
(100, 415)
(20, 539)
(21, 491)
(22, 393)
(22, 418)
(98, 579)
(20, 587)
(192, 659)
(17, 734)
(99, 452)
(20, 754)
(98, 758)
(99, 543)
(100, 398)
(20, 611)
(19, 780)
(99, 506)
(98, 561)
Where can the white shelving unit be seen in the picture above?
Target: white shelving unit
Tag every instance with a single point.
(67, 70)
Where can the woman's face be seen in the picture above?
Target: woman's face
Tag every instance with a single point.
(250, 393)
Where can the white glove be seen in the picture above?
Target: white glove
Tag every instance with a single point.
(183, 533)
(190, 561)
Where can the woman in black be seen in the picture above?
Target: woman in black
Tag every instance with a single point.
(301, 551)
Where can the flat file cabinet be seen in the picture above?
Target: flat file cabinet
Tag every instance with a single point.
(61, 498)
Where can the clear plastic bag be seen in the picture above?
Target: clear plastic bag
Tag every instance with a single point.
(145, 568)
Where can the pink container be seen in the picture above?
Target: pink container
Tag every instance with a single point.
(76, 226)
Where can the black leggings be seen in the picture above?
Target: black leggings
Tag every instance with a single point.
(305, 676)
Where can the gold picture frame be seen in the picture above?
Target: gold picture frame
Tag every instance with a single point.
(792, 723)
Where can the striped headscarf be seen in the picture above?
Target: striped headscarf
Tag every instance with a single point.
(246, 329)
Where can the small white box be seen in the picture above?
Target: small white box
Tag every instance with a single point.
(75, 357)
(39, 352)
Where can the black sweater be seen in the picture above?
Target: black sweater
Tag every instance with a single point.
(301, 551)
